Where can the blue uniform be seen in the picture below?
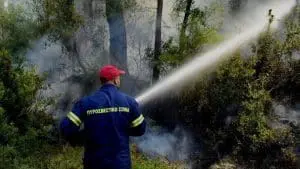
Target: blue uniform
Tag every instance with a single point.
(109, 118)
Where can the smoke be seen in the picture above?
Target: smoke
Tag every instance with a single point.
(140, 29)
(46, 55)
(174, 146)
(255, 24)
(287, 115)
(296, 55)
(248, 14)
(65, 82)
(5, 4)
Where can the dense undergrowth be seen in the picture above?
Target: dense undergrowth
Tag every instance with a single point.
(230, 110)
(29, 138)
(68, 157)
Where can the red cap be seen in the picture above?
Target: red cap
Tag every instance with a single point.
(109, 72)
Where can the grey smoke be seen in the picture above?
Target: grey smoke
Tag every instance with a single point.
(287, 115)
(46, 55)
(174, 146)
(5, 4)
(296, 55)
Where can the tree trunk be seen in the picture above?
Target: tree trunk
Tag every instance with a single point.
(157, 46)
(185, 22)
(71, 46)
(88, 8)
(117, 31)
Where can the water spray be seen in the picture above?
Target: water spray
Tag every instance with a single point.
(208, 60)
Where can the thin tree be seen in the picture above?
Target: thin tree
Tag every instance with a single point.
(117, 32)
(185, 22)
(157, 45)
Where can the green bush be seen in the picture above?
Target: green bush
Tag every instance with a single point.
(231, 108)
(57, 18)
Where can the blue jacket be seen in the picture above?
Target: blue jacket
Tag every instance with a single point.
(109, 118)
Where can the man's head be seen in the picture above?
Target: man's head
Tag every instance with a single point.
(110, 74)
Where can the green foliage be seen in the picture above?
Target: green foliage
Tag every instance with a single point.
(231, 109)
(142, 162)
(8, 130)
(23, 128)
(241, 90)
(179, 7)
(66, 158)
(19, 88)
(57, 18)
(199, 32)
(276, 63)
(17, 28)
(26, 140)
(235, 92)
(115, 7)
(256, 139)
(231, 83)
(224, 164)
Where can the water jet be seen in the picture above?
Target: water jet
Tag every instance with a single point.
(208, 60)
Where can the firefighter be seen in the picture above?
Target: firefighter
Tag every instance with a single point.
(109, 117)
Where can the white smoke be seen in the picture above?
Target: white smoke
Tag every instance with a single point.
(5, 4)
(46, 55)
(174, 146)
(255, 23)
(287, 115)
(296, 55)
(140, 30)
